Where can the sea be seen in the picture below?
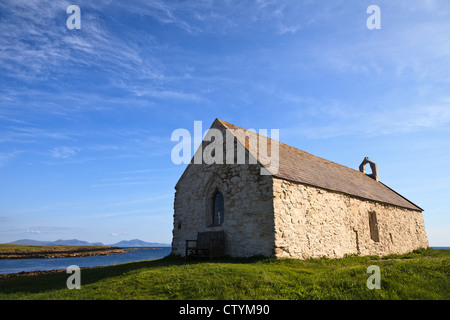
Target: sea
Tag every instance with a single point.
(132, 254)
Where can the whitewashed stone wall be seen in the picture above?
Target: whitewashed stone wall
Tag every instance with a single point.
(311, 222)
(248, 218)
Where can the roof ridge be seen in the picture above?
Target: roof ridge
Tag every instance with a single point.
(226, 124)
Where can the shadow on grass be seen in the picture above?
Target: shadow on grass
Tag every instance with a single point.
(57, 280)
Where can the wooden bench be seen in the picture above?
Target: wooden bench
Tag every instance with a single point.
(210, 244)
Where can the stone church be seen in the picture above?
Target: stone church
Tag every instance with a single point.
(308, 208)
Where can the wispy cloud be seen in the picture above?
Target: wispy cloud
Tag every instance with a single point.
(124, 183)
(45, 229)
(140, 200)
(220, 17)
(64, 152)
(33, 231)
(130, 212)
(165, 12)
(380, 117)
(48, 49)
(7, 156)
(168, 94)
(406, 47)
(29, 134)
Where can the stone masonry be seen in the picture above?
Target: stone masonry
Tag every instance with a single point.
(311, 222)
(248, 218)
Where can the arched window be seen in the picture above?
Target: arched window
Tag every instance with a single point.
(218, 213)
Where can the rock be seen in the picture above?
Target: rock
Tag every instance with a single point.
(235, 180)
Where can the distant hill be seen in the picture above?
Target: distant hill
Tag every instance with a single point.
(75, 242)
(60, 242)
(29, 242)
(136, 243)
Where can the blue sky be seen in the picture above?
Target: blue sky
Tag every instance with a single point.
(86, 115)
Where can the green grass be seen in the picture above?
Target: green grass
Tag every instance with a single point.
(424, 274)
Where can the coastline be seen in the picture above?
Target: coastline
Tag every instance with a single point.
(15, 268)
(6, 276)
(61, 253)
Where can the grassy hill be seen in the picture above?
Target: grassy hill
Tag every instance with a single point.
(424, 274)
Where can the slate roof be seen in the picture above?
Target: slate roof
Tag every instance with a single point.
(299, 166)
